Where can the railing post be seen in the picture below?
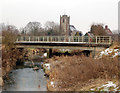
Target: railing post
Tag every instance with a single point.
(58, 38)
(103, 39)
(96, 39)
(99, 40)
(43, 38)
(29, 39)
(47, 38)
(89, 39)
(69, 38)
(109, 39)
(82, 39)
(21, 38)
(38, 38)
(16, 39)
(78, 38)
(51, 38)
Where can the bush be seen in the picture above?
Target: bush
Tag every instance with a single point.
(70, 71)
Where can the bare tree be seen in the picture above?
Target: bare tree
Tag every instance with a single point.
(52, 28)
(32, 28)
(9, 33)
(97, 29)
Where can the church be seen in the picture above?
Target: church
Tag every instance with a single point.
(67, 29)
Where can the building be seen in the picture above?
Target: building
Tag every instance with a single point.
(64, 25)
(74, 31)
(67, 29)
(108, 31)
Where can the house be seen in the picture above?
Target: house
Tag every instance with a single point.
(74, 31)
(87, 35)
(108, 31)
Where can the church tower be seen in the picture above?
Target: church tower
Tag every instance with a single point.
(64, 25)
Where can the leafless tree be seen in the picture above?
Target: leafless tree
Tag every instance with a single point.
(9, 33)
(97, 29)
(32, 28)
(52, 28)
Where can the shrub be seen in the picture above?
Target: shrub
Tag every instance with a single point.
(70, 71)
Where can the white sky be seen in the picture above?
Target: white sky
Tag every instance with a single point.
(82, 12)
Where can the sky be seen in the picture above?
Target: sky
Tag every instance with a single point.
(83, 13)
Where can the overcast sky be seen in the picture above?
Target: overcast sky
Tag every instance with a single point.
(82, 12)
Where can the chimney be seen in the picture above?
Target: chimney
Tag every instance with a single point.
(106, 27)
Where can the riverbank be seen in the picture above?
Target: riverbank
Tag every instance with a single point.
(9, 59)
(76, 72)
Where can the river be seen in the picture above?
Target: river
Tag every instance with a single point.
(26, 79)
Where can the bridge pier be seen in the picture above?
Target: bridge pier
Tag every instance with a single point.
(94, 52)
(50, 53)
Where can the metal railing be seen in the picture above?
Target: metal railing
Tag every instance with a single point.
(70, 39)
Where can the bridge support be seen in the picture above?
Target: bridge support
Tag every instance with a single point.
(94, 52)
(50, 53)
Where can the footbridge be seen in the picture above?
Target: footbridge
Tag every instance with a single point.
(95, 43)
(63, 42)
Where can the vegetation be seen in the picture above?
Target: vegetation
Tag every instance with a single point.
(36, 29)
(9, 34)
(75, 72)
(10, 54)
(98, 29)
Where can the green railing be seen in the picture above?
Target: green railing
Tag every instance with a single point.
(70, 39)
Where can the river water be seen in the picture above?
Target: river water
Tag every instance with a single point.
(26, 79)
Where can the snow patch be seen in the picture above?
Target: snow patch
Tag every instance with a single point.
(108, 51)
(52, 83)
(45, 54)
(110, 84)
(47, 65)
(106, 87)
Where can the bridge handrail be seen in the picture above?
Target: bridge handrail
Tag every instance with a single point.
(78, 39)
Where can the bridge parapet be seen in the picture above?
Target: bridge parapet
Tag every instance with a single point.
(63, 39)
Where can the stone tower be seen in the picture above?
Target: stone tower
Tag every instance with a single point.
(64, 25)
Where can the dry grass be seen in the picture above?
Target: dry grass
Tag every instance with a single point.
(9, 58)
(77, 70)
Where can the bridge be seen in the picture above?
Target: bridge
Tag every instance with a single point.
(62, 42)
